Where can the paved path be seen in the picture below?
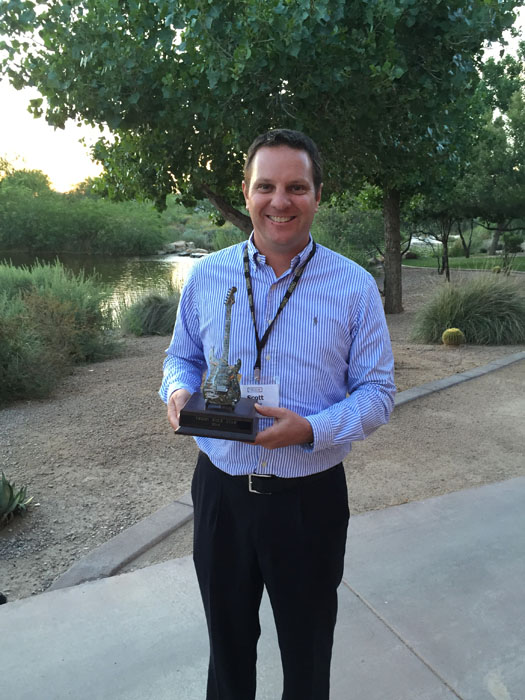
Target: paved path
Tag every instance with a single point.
(431, 606)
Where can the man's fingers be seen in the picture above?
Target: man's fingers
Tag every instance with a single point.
(288, 429)
(270, 411)
(176, 403)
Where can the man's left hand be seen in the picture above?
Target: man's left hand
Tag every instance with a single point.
(289, 428)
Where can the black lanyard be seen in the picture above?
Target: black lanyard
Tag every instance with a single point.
(261, 342)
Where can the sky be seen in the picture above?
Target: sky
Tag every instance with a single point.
(31, 143)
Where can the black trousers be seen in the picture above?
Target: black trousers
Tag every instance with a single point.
(292, 542)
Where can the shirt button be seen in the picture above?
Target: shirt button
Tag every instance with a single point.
(263, 464)
(267, 357)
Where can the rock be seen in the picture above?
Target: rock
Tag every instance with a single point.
(182, 248)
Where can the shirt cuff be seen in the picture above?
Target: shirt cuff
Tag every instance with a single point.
(322, 430)
(175, 387)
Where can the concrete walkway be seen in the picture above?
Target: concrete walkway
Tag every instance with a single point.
(431, 608)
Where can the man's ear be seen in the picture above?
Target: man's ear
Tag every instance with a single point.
(244, 191)
(318, 196)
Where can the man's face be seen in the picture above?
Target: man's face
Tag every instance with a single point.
(281, 199)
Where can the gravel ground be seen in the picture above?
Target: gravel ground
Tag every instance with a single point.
(99, 456)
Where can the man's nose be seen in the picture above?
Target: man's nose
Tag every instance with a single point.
(281, 198)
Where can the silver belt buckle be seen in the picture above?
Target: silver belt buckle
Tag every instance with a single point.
(252, 489)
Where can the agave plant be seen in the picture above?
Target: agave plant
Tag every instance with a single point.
(12, 501)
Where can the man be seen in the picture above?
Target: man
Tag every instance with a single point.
(309, 328)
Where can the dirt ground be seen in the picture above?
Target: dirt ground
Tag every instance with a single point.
(99, 455)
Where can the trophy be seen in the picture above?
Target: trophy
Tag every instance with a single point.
(219, 411)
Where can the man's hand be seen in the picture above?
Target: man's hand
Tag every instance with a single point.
(289, 428)
(175, 403)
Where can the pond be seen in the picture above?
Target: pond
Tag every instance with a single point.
(129, 278)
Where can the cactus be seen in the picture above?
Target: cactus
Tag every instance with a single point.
(11, 500)
(453, 336)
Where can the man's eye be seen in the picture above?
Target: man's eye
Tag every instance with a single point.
(298, 188)
(264, 187)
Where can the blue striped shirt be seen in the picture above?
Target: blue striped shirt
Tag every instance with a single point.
(329, 350)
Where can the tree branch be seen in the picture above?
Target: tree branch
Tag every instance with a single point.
(234, 216)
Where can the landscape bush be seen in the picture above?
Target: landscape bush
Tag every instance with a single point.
(351, 232)
(226, 236)
(50, 318)
(48, 221)
(153, 314)
(489, 310)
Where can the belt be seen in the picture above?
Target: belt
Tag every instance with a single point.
(267, 484)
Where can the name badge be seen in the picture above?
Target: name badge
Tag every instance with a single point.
(264, 394)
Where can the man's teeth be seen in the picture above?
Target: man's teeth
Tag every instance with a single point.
(280, 219)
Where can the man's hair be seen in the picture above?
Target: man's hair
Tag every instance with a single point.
(292, 139)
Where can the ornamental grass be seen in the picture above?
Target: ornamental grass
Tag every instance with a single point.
(489, 310)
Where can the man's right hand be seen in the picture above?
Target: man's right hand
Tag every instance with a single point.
(175, 404)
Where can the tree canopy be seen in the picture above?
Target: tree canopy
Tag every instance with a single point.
(385, 87)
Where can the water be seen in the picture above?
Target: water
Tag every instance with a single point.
(129, 278)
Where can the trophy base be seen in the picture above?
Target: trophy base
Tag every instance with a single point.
(238, 423)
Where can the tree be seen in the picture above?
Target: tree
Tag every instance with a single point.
(384, 87)
(492, 186)
(34, 181)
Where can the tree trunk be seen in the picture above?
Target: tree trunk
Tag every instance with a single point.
(234, 216)
(495, 238)
(391, 218)
(446, 266)
(466, 245)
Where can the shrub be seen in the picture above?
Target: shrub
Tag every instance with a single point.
(226, 236)
(489, 310)
(26, 368)
(352, 232)
(201, 239)
(52, 222)
(49, 319)
(153, 314)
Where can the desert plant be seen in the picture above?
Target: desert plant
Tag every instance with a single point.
(153, 314)
(489, 309)
(26, 366)
(453, 336)
(12, 501)
(49, 318)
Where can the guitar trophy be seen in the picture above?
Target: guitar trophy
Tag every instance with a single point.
(219, 411)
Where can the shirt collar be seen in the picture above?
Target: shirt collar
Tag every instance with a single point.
(257, 258)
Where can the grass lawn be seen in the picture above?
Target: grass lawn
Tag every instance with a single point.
(479, 262)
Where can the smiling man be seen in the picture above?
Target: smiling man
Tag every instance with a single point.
(310, 330)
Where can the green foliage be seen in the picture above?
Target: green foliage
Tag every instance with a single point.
(153, 314)
(453, 336)
(49, 319)
(350, 227)
(34, 218)
(512, 241)
(473, 263)
(35, 182)
(227, 236)
(387, 89)
(490, 311)
(12, 501)
(394, 78)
